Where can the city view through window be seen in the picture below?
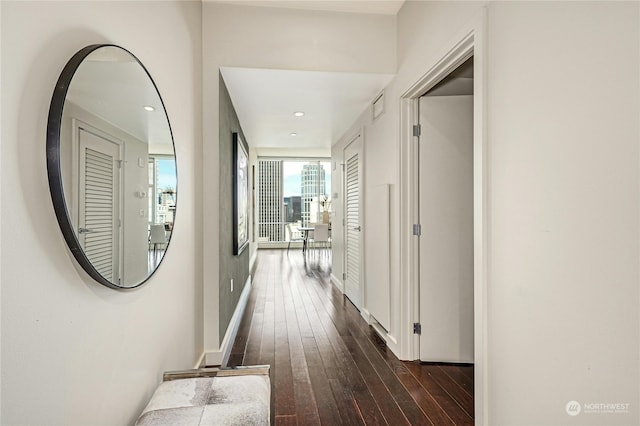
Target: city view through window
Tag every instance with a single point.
(162, 190)
(291, 194)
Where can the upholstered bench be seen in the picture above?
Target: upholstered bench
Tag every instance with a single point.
(211, 396)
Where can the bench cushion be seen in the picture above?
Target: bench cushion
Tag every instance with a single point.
(225, 400)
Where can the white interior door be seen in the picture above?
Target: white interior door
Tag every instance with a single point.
(446, 217)
(99, 203)
(353, 221)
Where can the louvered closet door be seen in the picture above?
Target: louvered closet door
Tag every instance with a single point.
(353, 227)
(98, 203)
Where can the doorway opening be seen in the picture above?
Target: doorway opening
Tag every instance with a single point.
(445, 184)
(470, 44)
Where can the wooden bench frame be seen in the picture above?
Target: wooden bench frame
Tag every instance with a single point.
(253, 370)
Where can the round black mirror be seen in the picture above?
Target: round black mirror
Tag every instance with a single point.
(111, 166)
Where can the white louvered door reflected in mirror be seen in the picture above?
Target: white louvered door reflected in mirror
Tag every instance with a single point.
(353, 227)
(99, 206)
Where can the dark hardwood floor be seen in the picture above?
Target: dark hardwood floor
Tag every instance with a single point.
(327, 365)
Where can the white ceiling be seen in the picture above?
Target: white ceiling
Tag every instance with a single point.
(265, 101)
(112, 85)
(383, 7)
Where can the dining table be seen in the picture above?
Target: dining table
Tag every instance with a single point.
(305, 230)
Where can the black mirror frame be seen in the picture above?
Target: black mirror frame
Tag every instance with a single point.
(54, 173)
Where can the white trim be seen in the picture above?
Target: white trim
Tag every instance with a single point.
(337, 283)
(379, 330)
(364, 313)
(200, 363)
(220, 357)
(254, 257)
(470, 43)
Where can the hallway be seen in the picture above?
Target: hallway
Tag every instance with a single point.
(327, 365)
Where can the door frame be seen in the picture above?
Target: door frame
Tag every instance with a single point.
(471, 42)
(78, 125)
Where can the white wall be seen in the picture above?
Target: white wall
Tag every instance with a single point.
(563, 109)
(256, 37)
(73, 351)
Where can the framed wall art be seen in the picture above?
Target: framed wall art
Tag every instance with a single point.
(240, 195)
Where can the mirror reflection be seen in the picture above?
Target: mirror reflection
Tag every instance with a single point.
(117, 166)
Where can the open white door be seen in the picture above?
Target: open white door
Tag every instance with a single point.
(353, 220)
(446, 218)
(99, 203)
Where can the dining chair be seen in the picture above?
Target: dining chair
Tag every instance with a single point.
(294, 235)
(321, 238)
(157, 237)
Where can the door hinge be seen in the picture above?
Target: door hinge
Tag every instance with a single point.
(417, 328)
(417, 130)
(417, 229)
(344, 276)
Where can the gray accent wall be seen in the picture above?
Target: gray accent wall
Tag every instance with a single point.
(231, 267)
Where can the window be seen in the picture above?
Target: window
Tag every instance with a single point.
(291, 191)
(162, 190)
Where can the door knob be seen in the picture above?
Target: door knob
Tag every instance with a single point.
(357, 228)
(84, 230)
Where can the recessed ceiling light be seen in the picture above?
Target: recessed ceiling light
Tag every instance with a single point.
(148, 108)
(294, 134)
(298, 113)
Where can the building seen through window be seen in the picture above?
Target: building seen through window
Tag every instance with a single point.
(291, 194)
(162, 190)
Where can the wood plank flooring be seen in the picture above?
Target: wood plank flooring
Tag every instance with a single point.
(328, 366)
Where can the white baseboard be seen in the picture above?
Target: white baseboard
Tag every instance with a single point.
(221, 356)
(336, 282)
(366, 315)
(380, 331)
(254, 257)
(200, 362)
